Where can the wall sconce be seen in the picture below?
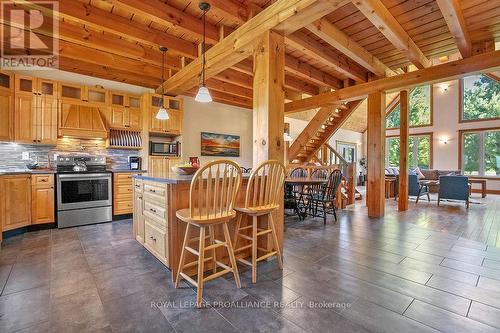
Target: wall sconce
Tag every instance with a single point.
(444, 140)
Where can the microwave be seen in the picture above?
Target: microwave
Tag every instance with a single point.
(165, 148)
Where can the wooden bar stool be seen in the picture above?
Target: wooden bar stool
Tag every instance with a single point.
(211, 200)
(263, 195)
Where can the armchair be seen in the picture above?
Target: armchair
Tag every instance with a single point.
(454, 188)
(415, 189)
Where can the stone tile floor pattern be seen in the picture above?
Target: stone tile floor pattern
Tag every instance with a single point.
(356, 275)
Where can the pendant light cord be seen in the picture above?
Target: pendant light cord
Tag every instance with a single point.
(203, 47)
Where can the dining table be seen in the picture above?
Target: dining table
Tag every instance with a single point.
(299, 203)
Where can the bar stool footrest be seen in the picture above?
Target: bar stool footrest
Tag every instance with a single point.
(216, 275)
(189, 279)
(244, 261)
(265, 256)
(243, 248)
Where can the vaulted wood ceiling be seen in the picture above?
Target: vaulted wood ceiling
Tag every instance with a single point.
(119, 40)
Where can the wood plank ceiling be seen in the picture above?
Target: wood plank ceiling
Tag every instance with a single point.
(119, 40)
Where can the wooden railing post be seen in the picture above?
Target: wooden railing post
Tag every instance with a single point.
(351, 183)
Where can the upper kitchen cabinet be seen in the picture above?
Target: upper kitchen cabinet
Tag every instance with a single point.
(171, 126)
(36, 86)
(125, 111)
(35, 111)
(72, 92)
(6, 106)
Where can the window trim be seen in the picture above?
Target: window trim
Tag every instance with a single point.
(431, 136)
(461, 119)
(460, 150)
(415, 126)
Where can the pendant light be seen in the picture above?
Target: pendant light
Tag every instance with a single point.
(162, 112)
(203, 95)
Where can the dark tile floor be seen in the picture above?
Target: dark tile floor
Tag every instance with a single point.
(356, 275)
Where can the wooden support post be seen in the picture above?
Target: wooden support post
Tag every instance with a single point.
(376, 155)
(403, 151)
(268, 98)
(269, 110)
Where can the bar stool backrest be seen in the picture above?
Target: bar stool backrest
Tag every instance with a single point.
(213, 190)
(265, 186)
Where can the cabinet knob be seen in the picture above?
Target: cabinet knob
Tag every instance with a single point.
(153, 210)
(43, 180)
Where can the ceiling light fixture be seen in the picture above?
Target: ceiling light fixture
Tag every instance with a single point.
(203, 95)
(162, 112)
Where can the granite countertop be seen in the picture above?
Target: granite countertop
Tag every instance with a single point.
(174, 178)
(23, 171)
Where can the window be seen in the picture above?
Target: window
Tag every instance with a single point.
(420, 113)
(481, 153)
(419, 151)
(480, 98)
(347, 150)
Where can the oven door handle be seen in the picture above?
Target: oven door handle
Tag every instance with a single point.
(85, 176)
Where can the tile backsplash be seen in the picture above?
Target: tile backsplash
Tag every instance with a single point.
(11, 153)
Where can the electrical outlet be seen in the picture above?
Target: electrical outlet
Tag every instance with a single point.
(56, 156)
(26, 155)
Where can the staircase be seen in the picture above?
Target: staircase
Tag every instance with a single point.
(327, 155)
(319, 130)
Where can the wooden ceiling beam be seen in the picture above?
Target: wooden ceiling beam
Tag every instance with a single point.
(382, 19)
(231, 9)
(105, 42)
(239, 44)
(339, 40)
(454, 18)
(169, 16)
(101, 20)
(104, 72)
(486, 62)
(317, 51)
(310, 73)
(229, 88)
(300, 86)
(234, 77)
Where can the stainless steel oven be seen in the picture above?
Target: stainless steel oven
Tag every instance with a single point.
(84, 196)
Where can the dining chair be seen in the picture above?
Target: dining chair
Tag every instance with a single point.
(212, 195)
(299, 191)
(325, 195)
(262, 199)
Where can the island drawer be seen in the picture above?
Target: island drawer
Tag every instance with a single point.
(154, 189)
(155, 239)
(154, 199)
(155, 210)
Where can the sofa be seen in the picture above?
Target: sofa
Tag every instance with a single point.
(429, 174)
(433, 174)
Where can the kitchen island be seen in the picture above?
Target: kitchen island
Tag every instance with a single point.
(156, 227)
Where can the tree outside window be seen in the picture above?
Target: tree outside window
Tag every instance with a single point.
(419, 151)
(419, 112)
(481, 153)
(480, 98)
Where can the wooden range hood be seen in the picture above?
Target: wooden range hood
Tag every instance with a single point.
(81, 121)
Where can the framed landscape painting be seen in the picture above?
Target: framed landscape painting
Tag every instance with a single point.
(213, 144)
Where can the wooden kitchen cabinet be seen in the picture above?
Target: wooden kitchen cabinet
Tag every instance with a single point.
(172, 126)
(42, 199)
(159, 166)
(16, 201)
(35, 111)
(6, 107)
(122, 193)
